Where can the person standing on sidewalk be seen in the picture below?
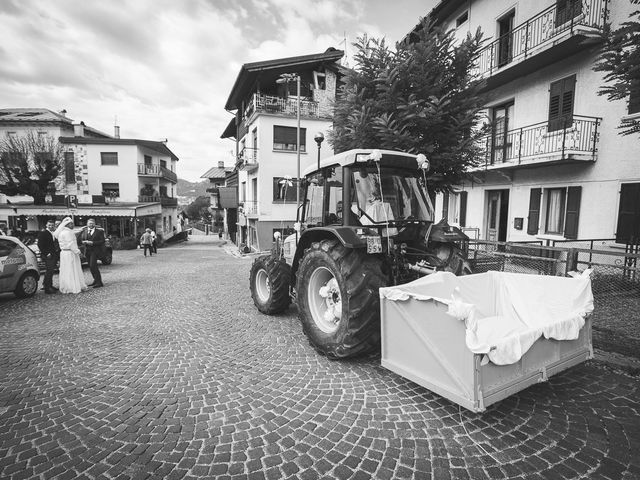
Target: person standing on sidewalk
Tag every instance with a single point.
(154, 242)
(92, 238)
(146, 242)
(49, 252)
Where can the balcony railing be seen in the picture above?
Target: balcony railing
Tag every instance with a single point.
(285, 106)
(247, 159)
(541, 32)
(577, 139)
(164, 201)
(249, 208)
(168, 175)
(154, 170)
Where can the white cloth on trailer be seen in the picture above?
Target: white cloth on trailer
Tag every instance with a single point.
(505, 313)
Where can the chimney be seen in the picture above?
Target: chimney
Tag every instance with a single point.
(221, 164)
(116, 131)
(78, 129)
(63, 112)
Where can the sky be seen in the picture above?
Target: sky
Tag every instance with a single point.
(163, 69)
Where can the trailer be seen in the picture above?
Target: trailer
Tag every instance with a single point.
(480, 338)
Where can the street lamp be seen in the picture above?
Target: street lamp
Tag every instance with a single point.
(286, 78)
(319, 137)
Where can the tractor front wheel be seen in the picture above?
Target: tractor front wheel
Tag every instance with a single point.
(338, 300)
(269, 282)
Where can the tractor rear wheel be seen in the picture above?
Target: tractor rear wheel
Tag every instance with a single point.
(269, 282)
(338, 300)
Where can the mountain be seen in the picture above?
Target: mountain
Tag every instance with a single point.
(185, 188)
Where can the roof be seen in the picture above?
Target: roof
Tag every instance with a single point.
(230, 130)
(159, 147)
(250, 72)
(441, 11)
(41, 115)
(216, 172)
(351, 156)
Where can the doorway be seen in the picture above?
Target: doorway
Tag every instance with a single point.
(497, 215)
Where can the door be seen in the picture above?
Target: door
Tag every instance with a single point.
(497, 215)
(501, 142)
(505, 42)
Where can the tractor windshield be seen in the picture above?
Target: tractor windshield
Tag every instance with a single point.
(389, 195)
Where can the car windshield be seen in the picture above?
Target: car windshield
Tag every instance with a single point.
(390, 195)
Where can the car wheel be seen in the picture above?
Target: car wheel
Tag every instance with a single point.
(27, 286)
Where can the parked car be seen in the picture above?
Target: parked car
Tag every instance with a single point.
(18, 268)
(106, 259)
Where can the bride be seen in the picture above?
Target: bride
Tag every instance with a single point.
(71, 278)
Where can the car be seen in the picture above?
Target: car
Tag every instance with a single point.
(106, 259)
(18, 268)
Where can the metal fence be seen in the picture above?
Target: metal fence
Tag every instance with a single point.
(615, 280)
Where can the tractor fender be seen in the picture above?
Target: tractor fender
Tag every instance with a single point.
(345, 235)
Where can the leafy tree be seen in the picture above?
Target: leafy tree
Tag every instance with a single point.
(198, 210)
(620, 60)
(28, 164)
(421, 97)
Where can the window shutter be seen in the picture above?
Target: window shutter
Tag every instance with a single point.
(534, 211)
(463, 208)
(561, 96)
(634, 97)
(573, 212)
(629, 213)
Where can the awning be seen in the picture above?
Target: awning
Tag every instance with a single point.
(139, 210)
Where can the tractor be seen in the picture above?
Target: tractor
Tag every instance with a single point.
(365, 221)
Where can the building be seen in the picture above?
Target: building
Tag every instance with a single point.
(266, 104)
(217, 178)
(125, 184)
(554, 167)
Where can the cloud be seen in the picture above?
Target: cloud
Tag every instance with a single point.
(164, 68)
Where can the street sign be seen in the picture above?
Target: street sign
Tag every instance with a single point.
(71, 201)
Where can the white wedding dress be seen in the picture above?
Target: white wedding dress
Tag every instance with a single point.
(71, 278)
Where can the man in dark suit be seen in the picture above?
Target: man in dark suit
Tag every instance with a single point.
(50, 253)
(92, 238)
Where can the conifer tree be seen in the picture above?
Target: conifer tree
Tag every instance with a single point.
(421, 97)
(620, 60)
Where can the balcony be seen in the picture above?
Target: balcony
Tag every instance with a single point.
(249, 208)
(157, 171)
(556, 32)
(281, 106)
(535, 145)
(164, 201)
(247, 159)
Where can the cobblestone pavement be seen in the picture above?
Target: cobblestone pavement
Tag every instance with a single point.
(170, 372)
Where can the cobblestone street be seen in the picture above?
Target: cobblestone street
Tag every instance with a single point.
(170, 372)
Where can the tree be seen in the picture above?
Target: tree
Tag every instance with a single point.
(620, 60)
(198, 210)
(422, 97)
(28, 165)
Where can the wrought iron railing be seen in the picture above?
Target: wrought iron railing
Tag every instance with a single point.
(247, 158)
(286, 106)
(580, 136)
(540, 31)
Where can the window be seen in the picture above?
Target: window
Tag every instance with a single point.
(285, 190)
(561, 211)
(555, 198)
(454, 207)
(284, 138)
(462, 18)
(567, 10)
(629, 213)
(254, 137)
(500, 139)
(334, 196)
(314, 200)
(561, 95)
(111, 190)
(147, 160)
(69, 167)
(6, 247)
(319, 81)
(163, 163)
(163, 191)
(109, 158)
